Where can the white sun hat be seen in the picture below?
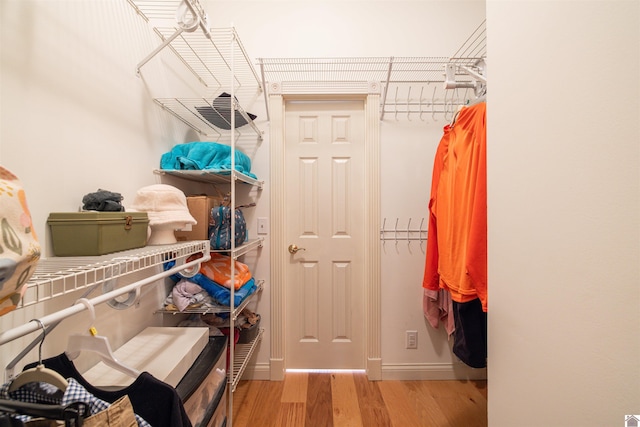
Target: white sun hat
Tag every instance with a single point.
(164, 204)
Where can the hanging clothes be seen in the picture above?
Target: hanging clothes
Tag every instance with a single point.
(153, 400)
(100, 413)
(118, 414)
(43, 393)
(457, 243)
(456, 256)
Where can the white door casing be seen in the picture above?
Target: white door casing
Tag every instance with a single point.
(369, 92)
(324, 213)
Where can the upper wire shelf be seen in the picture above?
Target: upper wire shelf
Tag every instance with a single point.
(215, 56)
(474, 48)
(186, 110)
(357, 69)
(410, 86)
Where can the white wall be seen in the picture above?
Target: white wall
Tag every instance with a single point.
(564, 212)
(330, 28)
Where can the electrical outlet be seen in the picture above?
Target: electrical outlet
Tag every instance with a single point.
(411, 339)
(263, 225)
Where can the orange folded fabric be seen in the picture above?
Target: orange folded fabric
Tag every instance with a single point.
(218, 269)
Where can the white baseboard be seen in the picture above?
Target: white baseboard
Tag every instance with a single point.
(395, 371)
(374, 369)
(431, 371)
(258, 372)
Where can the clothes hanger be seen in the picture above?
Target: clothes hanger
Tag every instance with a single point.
(455, 116)
(478, 100)
(9, 369)
(93, 342)
(72, 414)
(40, 373)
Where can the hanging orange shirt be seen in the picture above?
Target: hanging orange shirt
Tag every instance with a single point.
(457, 240)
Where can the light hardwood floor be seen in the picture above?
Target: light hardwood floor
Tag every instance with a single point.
(346, 399)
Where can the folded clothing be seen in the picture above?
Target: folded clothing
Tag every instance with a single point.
(205, 156)
(219, 293)
(186, 294)
(103, 201)
(223, 295)
(218, 269)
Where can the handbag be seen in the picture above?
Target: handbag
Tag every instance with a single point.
(220, 227)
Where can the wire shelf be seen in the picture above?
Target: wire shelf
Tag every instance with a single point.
(242, 356)
(355, 69)
(474, 48)
(409, 85)
(58, 276)
(203, 175)
(217, 309)
(207, 55)
(215, 56)
(186, 110)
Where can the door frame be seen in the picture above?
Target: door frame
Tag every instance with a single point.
(278, 95)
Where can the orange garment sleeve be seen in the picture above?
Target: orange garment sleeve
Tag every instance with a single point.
(431, 278)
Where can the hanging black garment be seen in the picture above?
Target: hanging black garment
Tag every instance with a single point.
(470, 336)
(7, 421)
(155, 401)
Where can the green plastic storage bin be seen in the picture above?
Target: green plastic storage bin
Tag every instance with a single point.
(97, 233)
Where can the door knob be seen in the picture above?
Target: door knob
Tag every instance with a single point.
(294, 248)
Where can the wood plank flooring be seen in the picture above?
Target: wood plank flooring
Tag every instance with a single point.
(350, 399)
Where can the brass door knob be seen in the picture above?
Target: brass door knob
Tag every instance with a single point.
(294, 248)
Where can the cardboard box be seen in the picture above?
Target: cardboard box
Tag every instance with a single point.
(200, 208)
(97, 233)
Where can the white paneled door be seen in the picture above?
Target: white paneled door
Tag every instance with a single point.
(324, 209)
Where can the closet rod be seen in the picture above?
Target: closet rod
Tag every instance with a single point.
(27, 328)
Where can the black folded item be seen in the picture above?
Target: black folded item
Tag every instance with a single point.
(103, 201)
(219, 114)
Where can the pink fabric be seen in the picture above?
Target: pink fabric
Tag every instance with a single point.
(438, 307)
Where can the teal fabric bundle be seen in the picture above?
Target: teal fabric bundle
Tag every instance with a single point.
(210, 156)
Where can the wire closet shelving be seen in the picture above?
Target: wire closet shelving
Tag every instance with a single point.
(413, 87)
(58, 276)
(215, 56)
